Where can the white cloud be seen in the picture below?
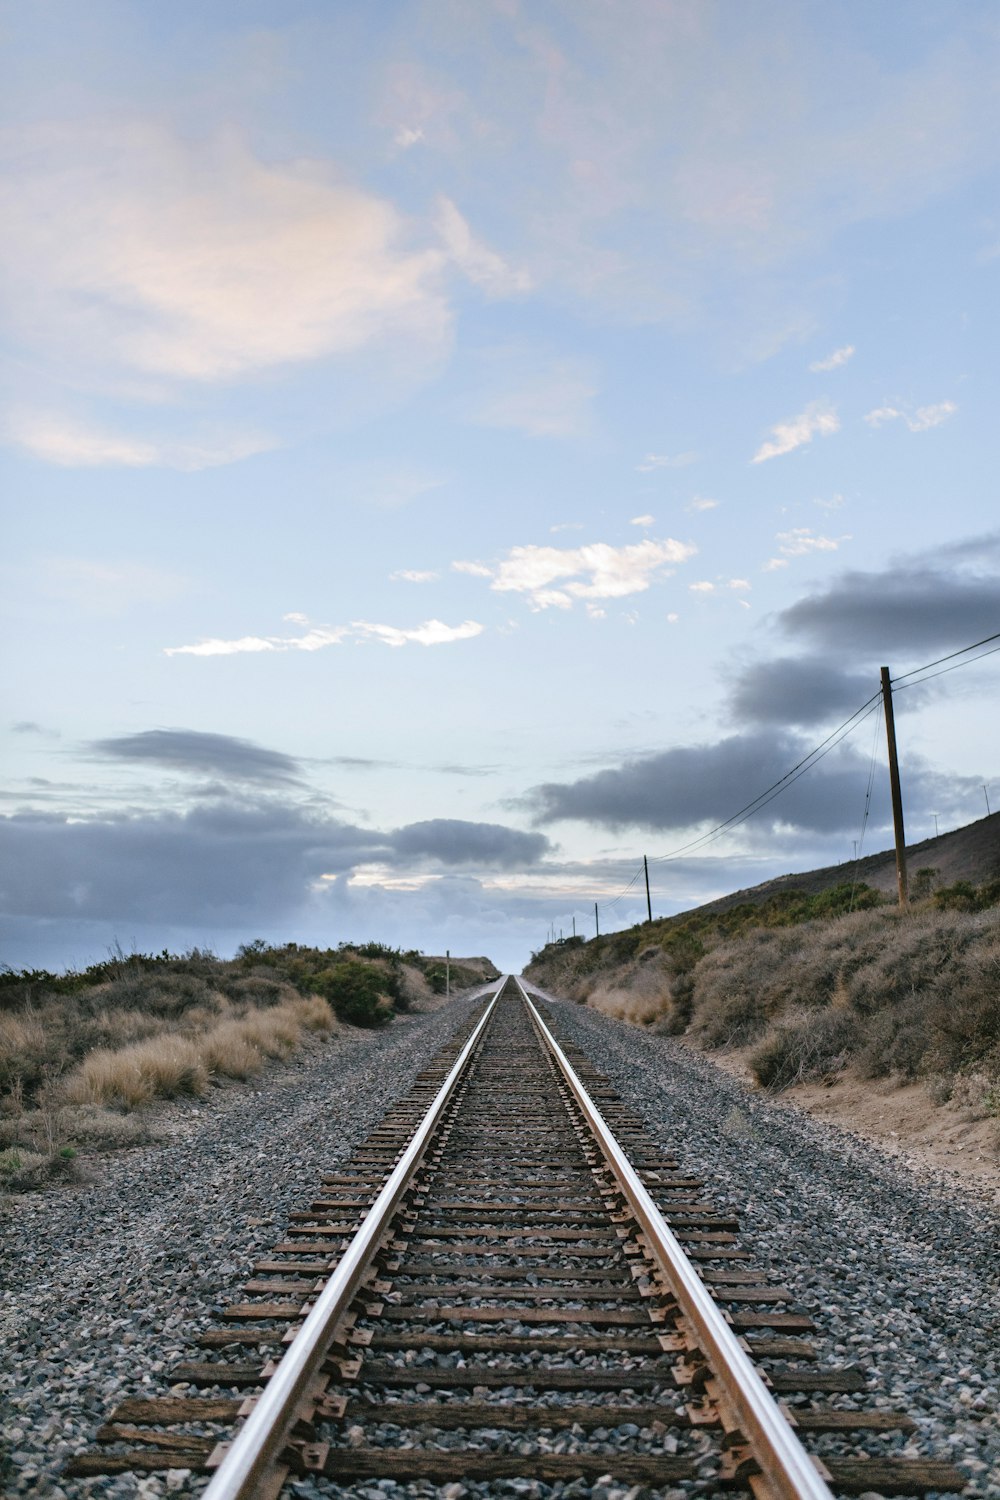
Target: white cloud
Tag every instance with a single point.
(594, 571)
(881, 415)
(317, 637)
(474, 569)
(406, 137)
(483, 266)
(833, 361)
(931, 416)
(75, 445)
(738, 583)
(799, 542)
(701, 502)
(215, 647)
(430, 633)
(196, 260)
(918, 421)
(654, 461)
(643, 521)
(835, 502)
(702, 587)
(792, 434)
(563, 526)
(414, 575)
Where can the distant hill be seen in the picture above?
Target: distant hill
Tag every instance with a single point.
(971, 853)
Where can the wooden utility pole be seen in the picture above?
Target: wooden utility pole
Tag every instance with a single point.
(574, 925)
(597, 924)
(897, 797)
(447, 973)
(649, 906)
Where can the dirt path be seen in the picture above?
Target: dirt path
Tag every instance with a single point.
(902, 1119)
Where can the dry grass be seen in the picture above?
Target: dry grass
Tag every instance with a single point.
(160, 1067)
(184, 1062)
(914, 995)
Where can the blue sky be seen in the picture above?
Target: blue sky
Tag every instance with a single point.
(452, 450)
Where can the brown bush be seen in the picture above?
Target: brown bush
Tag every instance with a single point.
(808, 1045)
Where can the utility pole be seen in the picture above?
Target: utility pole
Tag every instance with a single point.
(855, 843)
(897, 796)
(649, 907)
(574, 924)
(987, 796)
(447, 973)
(934, 816)
(597, 923)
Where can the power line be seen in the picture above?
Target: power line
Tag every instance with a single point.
(762, 799)
(814, 757)
(818, 753)
(951, 657)
(944, 670)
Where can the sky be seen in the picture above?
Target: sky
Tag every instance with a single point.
(451, 451)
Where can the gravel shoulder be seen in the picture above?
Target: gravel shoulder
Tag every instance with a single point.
(898, 1265)
(103, 1284)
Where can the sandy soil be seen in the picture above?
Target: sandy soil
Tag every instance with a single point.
(901, 1118)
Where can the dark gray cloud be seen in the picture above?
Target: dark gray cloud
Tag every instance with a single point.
(908, 610)
(193, 751)
(455, 842)
(31, 726)
(227, 862)
(798, 690)
(679, 788)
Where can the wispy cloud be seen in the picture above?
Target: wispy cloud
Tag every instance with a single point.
(799, 542)
(594, 571)
(76, 445)
(560, 526)
(317, 637)
(430, 633)
(474, 569)
(701, 502)
(833, 361)
(542, 396)
(197, 260)
(414, 575)
(654, 461)
(483, 266)
(816, 420)
(917, 421)
(643, 521)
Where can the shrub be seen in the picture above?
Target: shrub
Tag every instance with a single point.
(164, 1067)
(803, 1047)
(357, 991)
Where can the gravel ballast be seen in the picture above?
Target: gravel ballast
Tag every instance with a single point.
(900, 1269)
(106, 1284)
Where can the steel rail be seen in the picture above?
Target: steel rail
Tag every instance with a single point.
(261, 1438)
(784, 1462)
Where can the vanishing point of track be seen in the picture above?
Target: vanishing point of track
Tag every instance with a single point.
(497, 1287)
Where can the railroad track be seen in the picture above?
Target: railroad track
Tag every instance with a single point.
(508, 1280)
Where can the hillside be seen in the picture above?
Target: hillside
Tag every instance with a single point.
(811, 977)
(968, 854)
